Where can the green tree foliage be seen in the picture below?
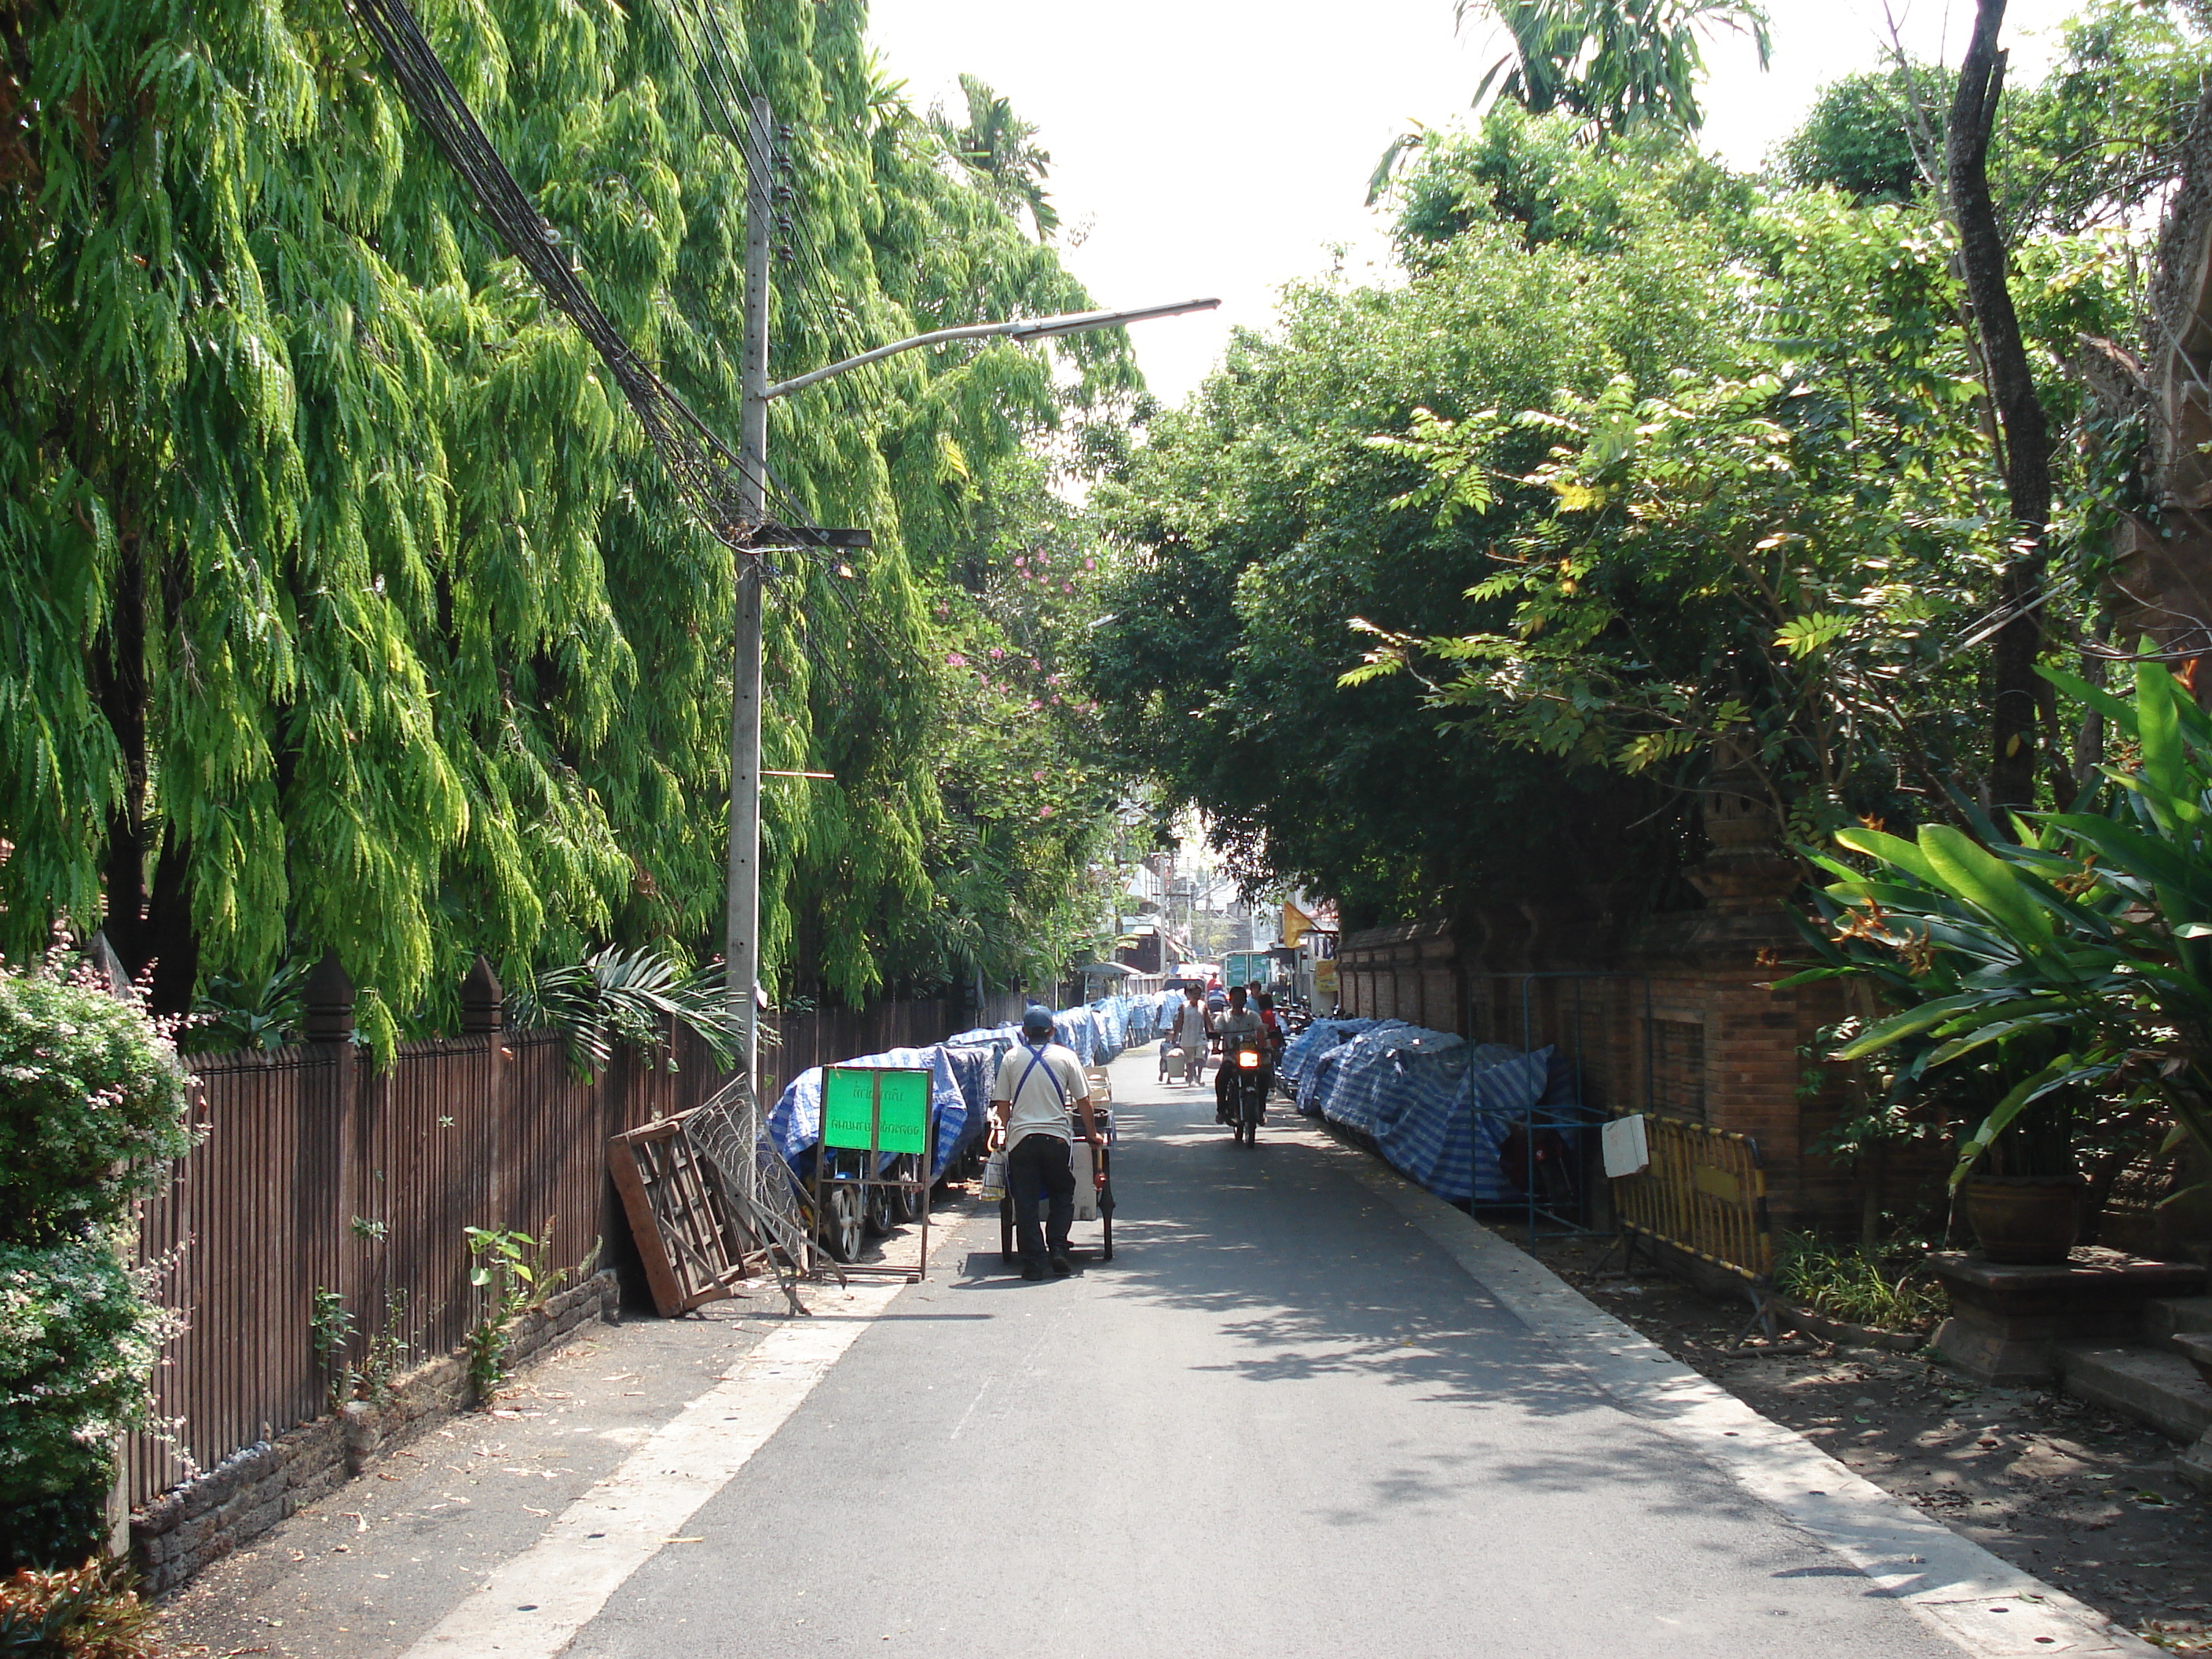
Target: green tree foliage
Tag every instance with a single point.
(345, 606)
(1860, 136)
(1262, 520)
(1625, 67)
(998, 146)
(1533, 174)
(2087, 146)
(1621, 65)
(1022, 767)
(1791, 556)
(1684, 461)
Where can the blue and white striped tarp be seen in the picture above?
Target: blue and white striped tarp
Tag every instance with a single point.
(1438, 1110)
(1314, 1051)
(1351, 1081)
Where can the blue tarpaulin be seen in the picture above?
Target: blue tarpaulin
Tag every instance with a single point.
(1438, 1110)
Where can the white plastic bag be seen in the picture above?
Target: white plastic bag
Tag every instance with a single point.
(994, 1185)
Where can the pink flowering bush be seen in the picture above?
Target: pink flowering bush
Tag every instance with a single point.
(93, 1112)
(91, 1107)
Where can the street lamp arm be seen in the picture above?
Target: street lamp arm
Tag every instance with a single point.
(1022, 329)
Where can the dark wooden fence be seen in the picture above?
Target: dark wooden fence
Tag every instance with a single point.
(321, 1173)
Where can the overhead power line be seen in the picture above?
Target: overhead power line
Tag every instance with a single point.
(705, 470)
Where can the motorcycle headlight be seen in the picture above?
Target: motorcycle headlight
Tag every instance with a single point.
(1249, 1061)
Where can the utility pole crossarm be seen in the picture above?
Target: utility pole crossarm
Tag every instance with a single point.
(1022, 329)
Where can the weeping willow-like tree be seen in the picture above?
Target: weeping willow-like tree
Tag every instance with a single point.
(342, 604)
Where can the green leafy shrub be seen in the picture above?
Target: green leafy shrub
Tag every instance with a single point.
(91, 1107)
(1861, 1286)
(631, 997)
(92, 1114)
(89, 1612)
(2064, 976)
(80, 1333)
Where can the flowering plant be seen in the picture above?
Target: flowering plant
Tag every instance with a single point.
(92, 1113)
(92, 1105)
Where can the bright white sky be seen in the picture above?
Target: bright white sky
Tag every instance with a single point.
(1223, 147)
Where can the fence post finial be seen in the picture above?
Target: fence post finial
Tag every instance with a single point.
(328, 1001)
(483, 1002)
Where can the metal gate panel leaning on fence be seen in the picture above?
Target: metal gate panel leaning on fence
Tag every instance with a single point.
(1700, 1190)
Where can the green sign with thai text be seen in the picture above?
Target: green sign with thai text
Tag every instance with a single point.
(869, 1108)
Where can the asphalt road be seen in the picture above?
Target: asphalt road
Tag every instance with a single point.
(1282, 1421)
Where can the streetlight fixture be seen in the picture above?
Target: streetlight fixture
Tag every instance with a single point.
(741, 940)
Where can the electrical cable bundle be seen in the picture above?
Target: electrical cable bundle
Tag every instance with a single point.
(704, 468)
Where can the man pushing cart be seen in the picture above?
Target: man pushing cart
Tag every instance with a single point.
(1039, 1085)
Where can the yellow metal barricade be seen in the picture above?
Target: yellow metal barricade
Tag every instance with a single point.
(1703, 1192)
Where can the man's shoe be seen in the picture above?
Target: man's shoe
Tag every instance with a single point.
(1060, 1267)
(1031, 1270)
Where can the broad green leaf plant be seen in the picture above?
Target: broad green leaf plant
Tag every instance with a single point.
(2072, 964)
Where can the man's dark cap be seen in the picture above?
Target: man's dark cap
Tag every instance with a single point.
(1035, 1021)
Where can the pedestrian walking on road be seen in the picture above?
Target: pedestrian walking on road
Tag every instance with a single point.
(1189, 1032)
(1038, 1082)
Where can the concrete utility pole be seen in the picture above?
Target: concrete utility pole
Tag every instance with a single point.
(741, 930)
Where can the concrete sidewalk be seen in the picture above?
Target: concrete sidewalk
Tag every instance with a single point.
(370, 1570)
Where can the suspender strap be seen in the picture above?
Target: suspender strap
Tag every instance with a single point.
(1036, 1058)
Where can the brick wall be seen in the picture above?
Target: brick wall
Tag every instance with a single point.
(1673, 1013)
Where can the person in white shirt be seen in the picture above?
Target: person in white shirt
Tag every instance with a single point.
(1037, 1082)
(1189, 1031)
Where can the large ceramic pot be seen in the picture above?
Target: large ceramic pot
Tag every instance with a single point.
(2026, 1220)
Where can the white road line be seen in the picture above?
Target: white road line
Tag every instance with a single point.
(1980, 1601)
(971, 1411)
(534, 1605)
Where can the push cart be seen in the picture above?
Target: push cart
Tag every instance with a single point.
(1094, 1200)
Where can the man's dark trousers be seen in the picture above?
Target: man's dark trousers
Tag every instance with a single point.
(1041, 1166)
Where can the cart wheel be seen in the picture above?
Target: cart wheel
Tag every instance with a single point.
(906, 1204)
(842, 1225)
(876, 1211)
(1106, 1227)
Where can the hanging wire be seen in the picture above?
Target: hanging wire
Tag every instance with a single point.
(728, 92)
(705, 471)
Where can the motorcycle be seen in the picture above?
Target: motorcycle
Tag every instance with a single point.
(1251, 1072)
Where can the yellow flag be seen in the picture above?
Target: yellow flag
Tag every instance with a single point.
(1294, 923)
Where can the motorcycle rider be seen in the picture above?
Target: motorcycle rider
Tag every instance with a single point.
(1237, 1022)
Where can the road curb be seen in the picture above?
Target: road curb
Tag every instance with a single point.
(1971, 1597)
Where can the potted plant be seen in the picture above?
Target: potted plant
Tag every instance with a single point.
(2023, 1191)
(2038, 973)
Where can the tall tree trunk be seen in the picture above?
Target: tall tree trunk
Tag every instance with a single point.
(147, 926)
(1983, 263)
(118, 674)
(2160, 584)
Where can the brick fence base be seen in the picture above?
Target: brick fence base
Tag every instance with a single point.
(191, 1526)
